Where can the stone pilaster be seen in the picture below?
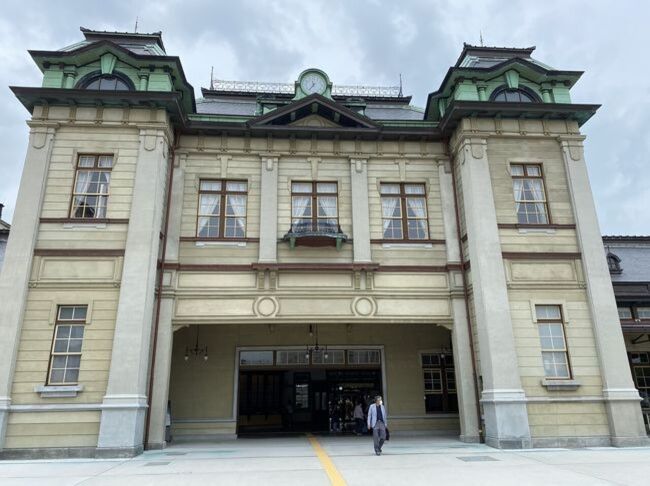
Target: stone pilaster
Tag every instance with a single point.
(465, 386)
(121, 430)
(269, 211)
(360, 210)
(165, 338)
(621, 397)
(162, 369)
(14, 278)
(503, 399)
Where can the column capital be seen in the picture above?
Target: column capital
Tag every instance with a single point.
(269, 162)
(359, 163)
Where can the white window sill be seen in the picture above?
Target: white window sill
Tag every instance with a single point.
(560, 385)
(84, 226)
(200, 244)
(58, 391)
(406, 246)
(544, 231)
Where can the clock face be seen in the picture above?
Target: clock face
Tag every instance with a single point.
(313, 83)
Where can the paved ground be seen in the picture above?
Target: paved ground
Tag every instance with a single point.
(323, 461)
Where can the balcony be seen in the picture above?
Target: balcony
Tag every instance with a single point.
(307, 232)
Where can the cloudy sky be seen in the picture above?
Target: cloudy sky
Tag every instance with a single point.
(371, 42)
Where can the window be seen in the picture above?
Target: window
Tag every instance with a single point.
(642, 381)
(92, 181)
(614, 263)
(530, 195)
(291, 357)
(364, 357)
(314, 207)
(625, 313)
(404, 211)
(333, 356)
(440, 394)
(643, 312)
(553, 342)
(640, 364)
(256, 358)
(108, 82)
(222, 209)
(513, 96)
(65, 358)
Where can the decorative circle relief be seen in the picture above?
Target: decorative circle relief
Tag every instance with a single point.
(364, 306)
(266, 307)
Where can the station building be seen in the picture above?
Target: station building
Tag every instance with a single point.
(261, 258)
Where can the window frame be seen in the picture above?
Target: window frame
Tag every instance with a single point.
(65, 322)
(223, 194)
(94, 168)
(314, 202)
(98, 75)
(402, 195)
(520, 89)
(542, 177)
(562, 322)
(442, 368)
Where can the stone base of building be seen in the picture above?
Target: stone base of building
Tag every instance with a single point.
(643, 441)
(499, 443)
(70, 453)
(49, 453)
(571, 442)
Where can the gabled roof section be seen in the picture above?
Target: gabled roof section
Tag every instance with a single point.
(481, 72)
(314, 105)
(91, 50)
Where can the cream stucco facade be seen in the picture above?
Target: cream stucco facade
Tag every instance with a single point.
(152, 285)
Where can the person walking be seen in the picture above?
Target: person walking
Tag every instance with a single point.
(359, 417)
(377, 422)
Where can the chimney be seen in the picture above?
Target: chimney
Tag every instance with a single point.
(1, 206)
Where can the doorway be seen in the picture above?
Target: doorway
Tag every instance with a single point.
(303, 400)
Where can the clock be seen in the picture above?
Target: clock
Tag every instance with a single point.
(313, 83)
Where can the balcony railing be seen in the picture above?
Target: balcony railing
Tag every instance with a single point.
(315, 233)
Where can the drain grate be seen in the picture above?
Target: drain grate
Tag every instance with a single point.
(157, 463)
(477, 458)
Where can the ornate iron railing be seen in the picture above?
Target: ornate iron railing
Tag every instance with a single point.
(289, 88)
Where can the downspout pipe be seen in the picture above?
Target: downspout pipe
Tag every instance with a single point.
(463, 271)
(161, 267)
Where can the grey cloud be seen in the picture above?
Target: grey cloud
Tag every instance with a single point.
(371, 42)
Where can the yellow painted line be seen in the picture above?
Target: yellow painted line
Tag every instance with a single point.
(332, 473)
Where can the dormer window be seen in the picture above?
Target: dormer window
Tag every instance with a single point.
(614, 263)
(107, 82)
(518, 95)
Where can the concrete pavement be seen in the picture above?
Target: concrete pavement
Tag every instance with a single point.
(295, 460)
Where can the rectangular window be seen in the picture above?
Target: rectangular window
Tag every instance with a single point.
(65, 357)
(643, 312)
(553, 342)
(530, 194)
(334, 356)
(625, 313)
(256, 358)
(314, 207)
(222, 209)
(440, 394)
(90, 191)
(404, 211)
(642, 381)
(291, 357)
(364, 357)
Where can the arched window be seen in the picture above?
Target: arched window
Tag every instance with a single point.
(107, 82)
(614, 263)
(519, 95)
